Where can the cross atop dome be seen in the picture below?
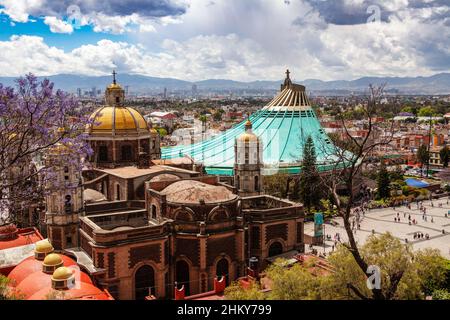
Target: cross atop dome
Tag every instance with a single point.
(114, 76)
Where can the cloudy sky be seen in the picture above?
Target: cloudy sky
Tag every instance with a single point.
(230, 39)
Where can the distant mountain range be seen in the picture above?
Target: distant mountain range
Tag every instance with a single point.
(437, 84)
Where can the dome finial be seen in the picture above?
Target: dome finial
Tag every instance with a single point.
(287, 82)
(248, 124)
(114, 76)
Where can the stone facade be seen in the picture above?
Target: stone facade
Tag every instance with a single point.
(186, 243)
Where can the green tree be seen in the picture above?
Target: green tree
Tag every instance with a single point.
(295, 283)
(309, 180)
(441, 294)
(217, 116)
(383, 182)
(162, 132)
(426, 112)
(276, 184)
(236, 292)
(445, 156)
(405, 274)
(423, 156)
(328, 209)
(5, 292)
(408, 109)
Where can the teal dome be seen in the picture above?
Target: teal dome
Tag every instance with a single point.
(283, 126)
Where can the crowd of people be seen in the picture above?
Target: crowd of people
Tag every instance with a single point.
(358, 213)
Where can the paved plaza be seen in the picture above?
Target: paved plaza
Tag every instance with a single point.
(382, 220)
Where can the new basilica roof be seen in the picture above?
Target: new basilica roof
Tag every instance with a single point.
(282, 126)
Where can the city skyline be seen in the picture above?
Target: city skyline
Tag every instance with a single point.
(246, 41)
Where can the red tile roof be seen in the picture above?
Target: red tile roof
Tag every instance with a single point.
(24, 237)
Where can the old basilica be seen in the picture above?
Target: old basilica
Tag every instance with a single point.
(140, 228)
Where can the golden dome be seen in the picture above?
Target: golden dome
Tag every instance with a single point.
(62, 273)
(43, 246)
(53, 259)
(115, 119)
(248, 137)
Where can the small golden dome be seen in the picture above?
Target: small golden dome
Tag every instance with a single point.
(53, 259)
(43, 246)
(152, 130)
(62, 273)
(248, 137)
(114, 86)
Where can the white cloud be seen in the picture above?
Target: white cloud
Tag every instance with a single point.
(246, 40)
(117, 17)
(18, 10)
(58, 26)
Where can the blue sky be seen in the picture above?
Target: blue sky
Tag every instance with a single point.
(232, 39)
(83, 35)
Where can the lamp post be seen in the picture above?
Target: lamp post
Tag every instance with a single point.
(324, 237)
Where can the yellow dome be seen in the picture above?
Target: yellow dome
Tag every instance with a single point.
(112, 119)
(43, 246)
(248, 135)
(53, 259)
(62, 273)
(114, 86)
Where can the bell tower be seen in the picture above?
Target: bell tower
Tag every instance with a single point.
(64, 198)
(248, 163)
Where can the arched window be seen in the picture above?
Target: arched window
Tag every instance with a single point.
(68, 204)
(219, 215)
(127, 153)
(144, 282)
(183, 216)
(256, 183)
(182, 276)
(222, 269)
(275, 249)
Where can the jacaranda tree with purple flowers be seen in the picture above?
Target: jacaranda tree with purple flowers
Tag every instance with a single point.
(34, 119)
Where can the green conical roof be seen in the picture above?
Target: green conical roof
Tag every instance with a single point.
(283, 126)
